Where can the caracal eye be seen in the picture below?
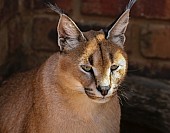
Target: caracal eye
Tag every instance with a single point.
(86, 68)
(114, 67)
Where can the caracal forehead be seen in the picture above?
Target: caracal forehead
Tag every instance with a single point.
(100, 37)
(101, 50)
(94, 39)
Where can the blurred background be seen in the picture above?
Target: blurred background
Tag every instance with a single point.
(28, 37)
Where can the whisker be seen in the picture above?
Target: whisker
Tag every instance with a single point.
(120, 100)
(122, 93)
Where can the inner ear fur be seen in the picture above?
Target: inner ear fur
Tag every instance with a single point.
(116, 31)
(69, 35)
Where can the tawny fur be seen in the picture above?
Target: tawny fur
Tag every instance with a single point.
(62, 97)
(39, 101)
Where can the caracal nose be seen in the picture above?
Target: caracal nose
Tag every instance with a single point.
(103, 90)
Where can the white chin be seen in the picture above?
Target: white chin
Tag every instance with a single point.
(104, 100)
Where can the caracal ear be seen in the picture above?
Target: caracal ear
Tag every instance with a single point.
(69, 35)
(116, 31)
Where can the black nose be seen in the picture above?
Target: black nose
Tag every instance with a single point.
(103, 89)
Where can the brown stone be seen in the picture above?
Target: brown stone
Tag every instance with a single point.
(66, 5)
(8, 8)
(44, 35)
(159, 9)
(15, 35)
(27, 4)
(103, 7)
(155, 41)
(3, 45)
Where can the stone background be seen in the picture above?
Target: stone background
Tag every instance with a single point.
(28, 33)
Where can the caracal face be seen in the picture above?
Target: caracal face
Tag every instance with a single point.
(97, 66)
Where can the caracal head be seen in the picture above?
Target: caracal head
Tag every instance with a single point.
(92, 63)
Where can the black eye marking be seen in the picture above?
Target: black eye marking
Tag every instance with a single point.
(111, 57)
(114, 67)
(101, 52)
(91, 60)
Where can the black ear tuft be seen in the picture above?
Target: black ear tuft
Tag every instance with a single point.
(115, 32)
(54, 8)
(130, 4)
